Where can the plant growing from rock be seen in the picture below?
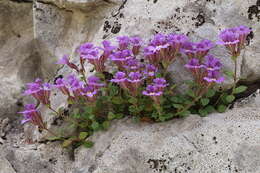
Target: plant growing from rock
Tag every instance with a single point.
(140, 85)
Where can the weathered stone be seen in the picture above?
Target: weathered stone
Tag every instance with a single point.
(226, 142)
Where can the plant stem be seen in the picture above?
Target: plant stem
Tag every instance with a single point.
(51, 132)
(201, 94)
(49, 106)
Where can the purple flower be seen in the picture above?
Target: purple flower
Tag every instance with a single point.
(193, 64)
(159, 39)
(243, 32)
(234, 39)
(32, 115)
(119, 77)
(214, 76)
(84, 48)
(150, 70)
(108, 48)
(123, 42)
(61, 85)
(177, 40)
(89, 93)
(134, 80)
(95, 82)
(136, 42)
(197, 50)
(154, 92)
(65, 61)
(160, 83)
(132, 64)
(203, 47)
(120, 57)
(40, 91)
(212, 63)
(135, 77)
(189, 49)
(75, 85)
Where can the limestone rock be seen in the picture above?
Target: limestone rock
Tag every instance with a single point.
(226, 142)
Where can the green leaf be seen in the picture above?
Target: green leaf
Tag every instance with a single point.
(210, 109)
(119, 115)
(229, 73)
(133, 100)
(117, 100)
(203, 112)
(204, 101)
(177, 106)
(221, 108)
(191, 93)
(67, 143)
(76, 116)
(162, 118)
(54, 138)
(210, 93)
(95, 125)
(184, 113)
(88, 144)
(176, 99)
(88, 109)
(240, 89)
(106, 124)
(111, 116)
(83, 135)
(230, 98)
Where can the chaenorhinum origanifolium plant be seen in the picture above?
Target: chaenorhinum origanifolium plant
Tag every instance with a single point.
(140, 84)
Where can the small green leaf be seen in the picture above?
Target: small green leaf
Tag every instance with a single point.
(119, 115)
(133, 100)
(204, 101)
(162, 118)
(203, 112)
(210, 93)
(240, 89)
(88, 144)
(230, 98)
(95, 125)
(106, 124)
(111, 116)
(117, 100)
(83, 135)
(88, 109)
(221, 108)
(67, 143)
(54, 138)
(229, 73)
(176, 99)
(191, 93)
(177, 106)
(210, 109)
(184, 113)
(76, 116)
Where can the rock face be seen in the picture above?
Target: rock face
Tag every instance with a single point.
(53, 28)
(33, 35)
(228, 142)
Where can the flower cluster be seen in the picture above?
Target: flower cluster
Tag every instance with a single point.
(140, 76)
(31, 114)
(155, 90)
(234, 39)
(206, 72)
(164, 48)
(40, 91)
(76, 89)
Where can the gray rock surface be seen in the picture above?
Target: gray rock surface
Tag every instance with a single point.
(228, 142)
(34, 36)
